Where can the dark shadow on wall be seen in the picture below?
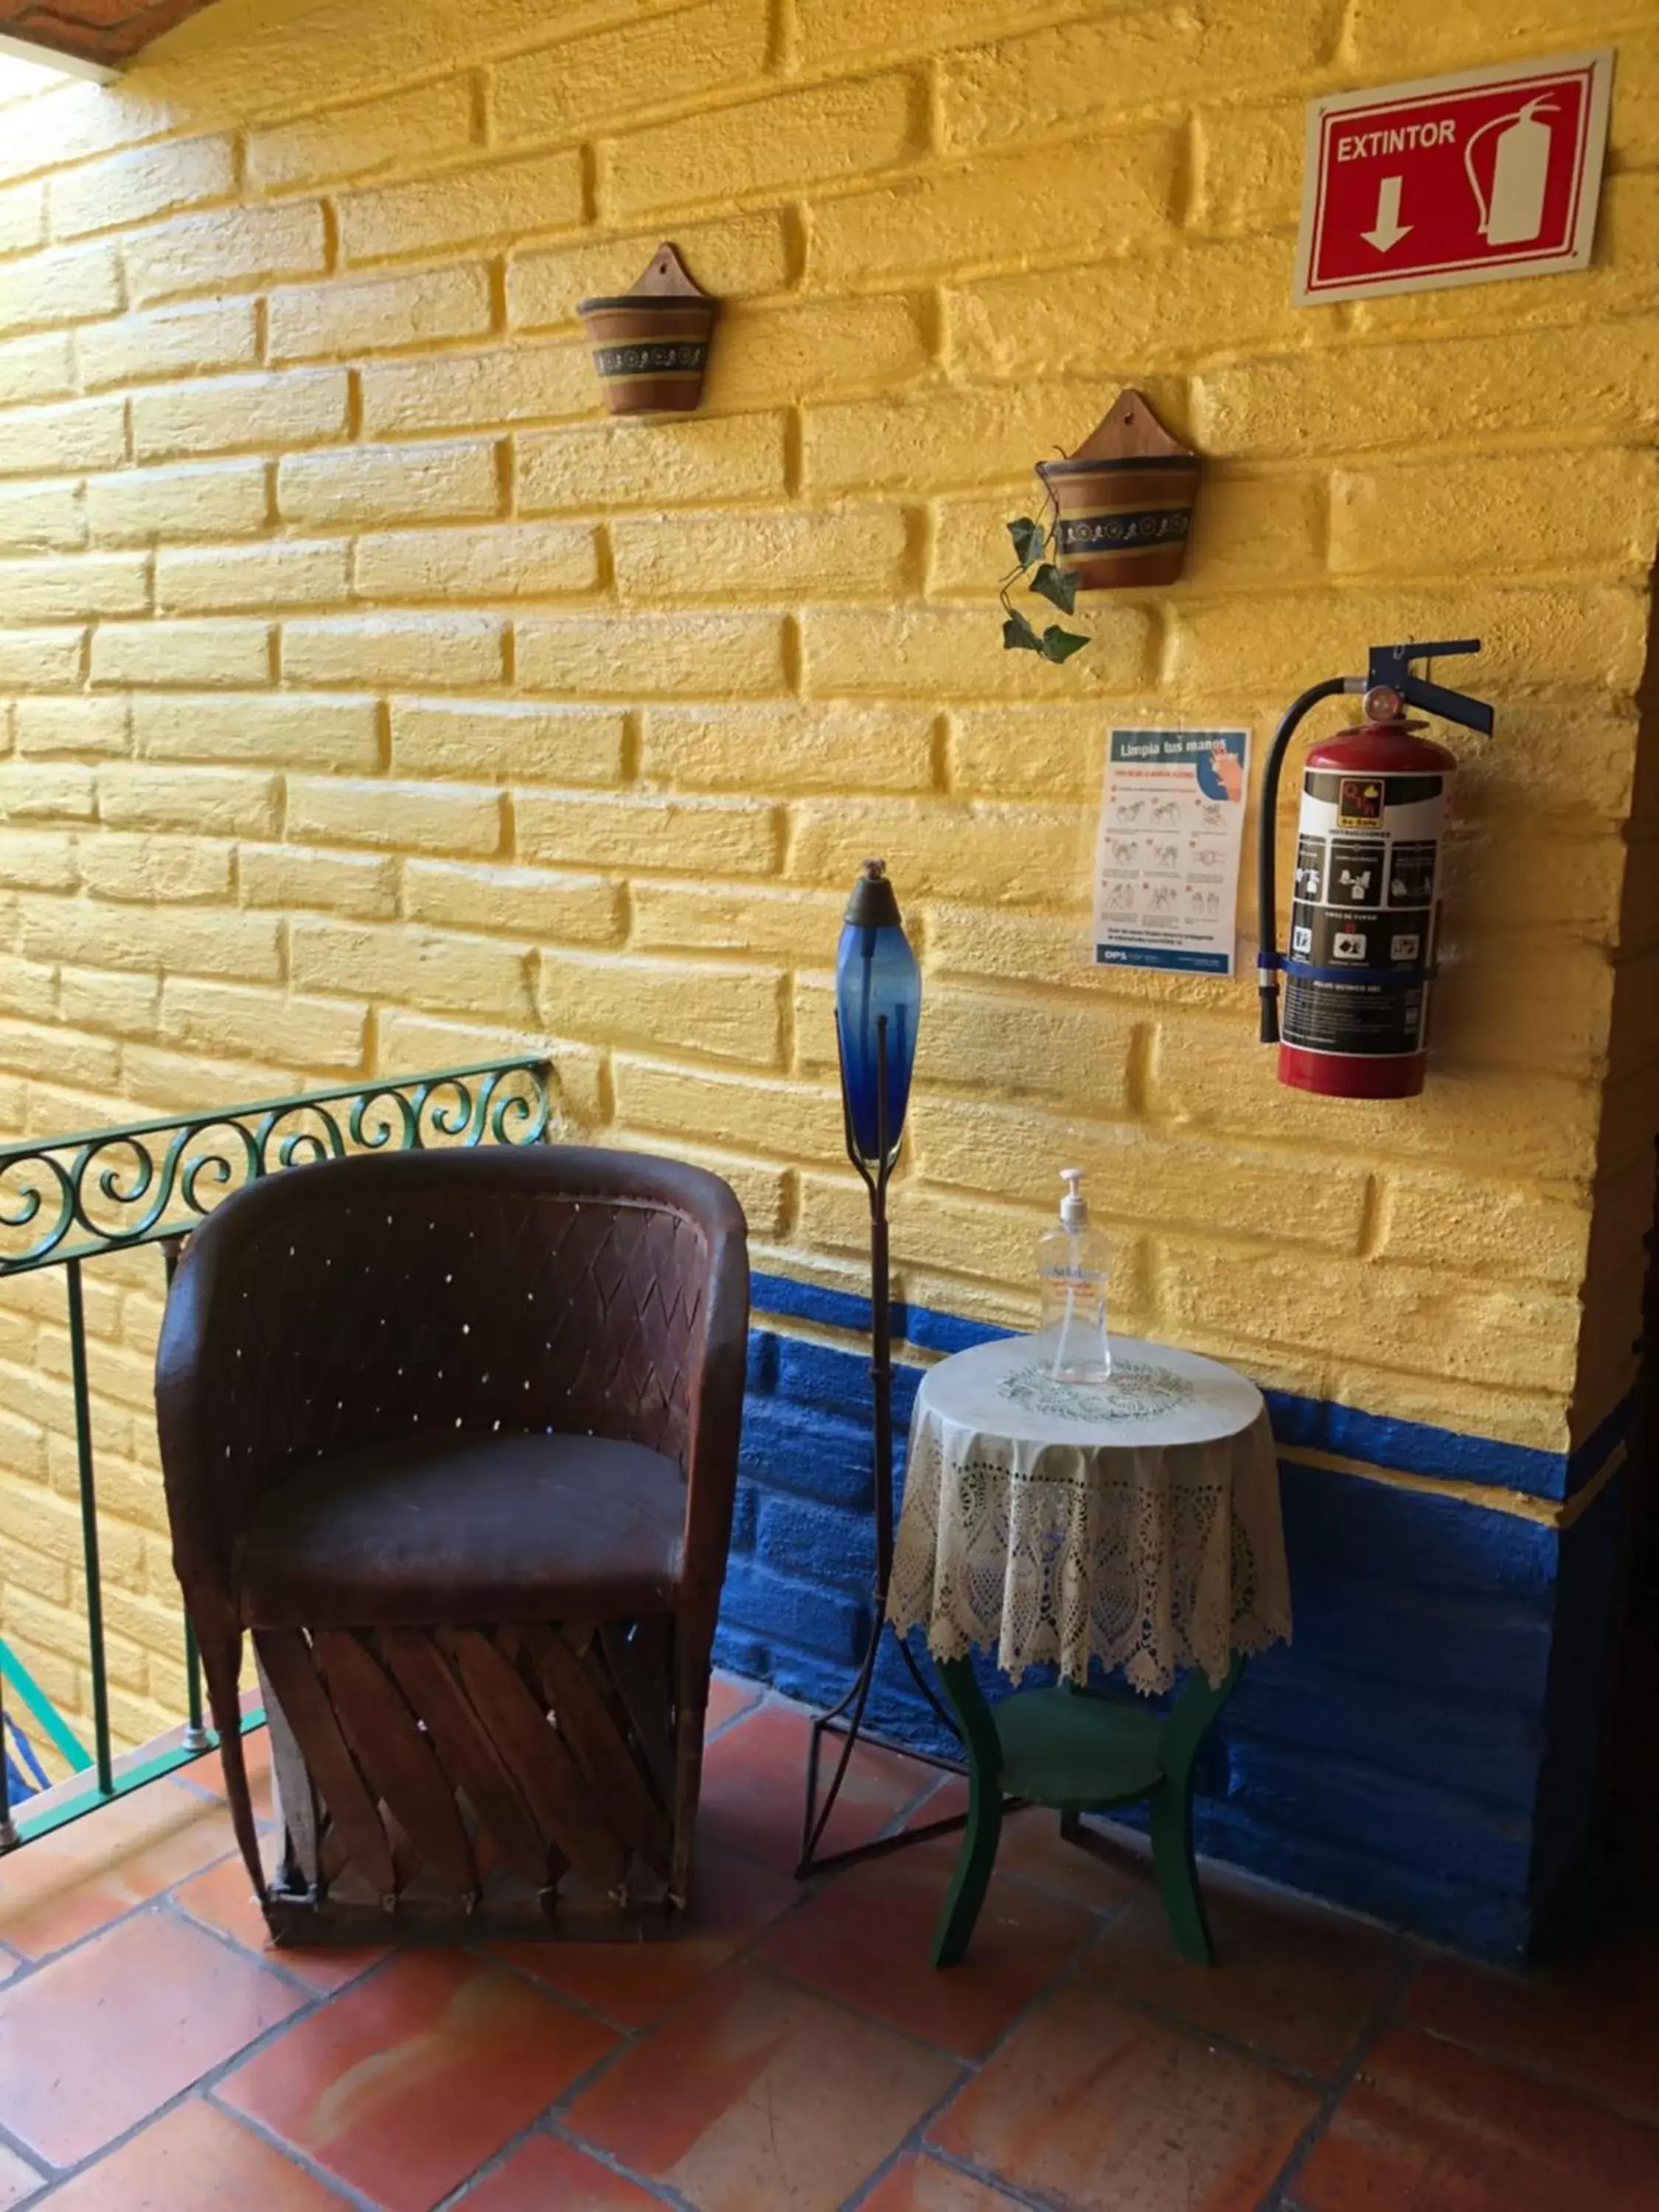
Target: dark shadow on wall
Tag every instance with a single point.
(1623, 1253)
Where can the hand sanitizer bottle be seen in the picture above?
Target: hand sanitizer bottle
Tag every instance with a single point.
(1072, 1269)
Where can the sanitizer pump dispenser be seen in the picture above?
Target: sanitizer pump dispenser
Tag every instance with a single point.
(1072, 1270)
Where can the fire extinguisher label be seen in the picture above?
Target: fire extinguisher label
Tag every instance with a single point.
(1357, 872)
(1362, 922)
(1363, 1019)
(1410, 873)
(1326, 788)
(1322, 937)
(1358, 802)
(1310, 869)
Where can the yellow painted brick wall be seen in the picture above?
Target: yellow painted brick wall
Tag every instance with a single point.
(371, 702)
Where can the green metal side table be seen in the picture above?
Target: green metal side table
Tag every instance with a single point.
(1132, 1527)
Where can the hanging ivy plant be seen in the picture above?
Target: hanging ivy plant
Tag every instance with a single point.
(1040, 574)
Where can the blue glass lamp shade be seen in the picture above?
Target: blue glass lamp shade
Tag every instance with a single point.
(877, 1008)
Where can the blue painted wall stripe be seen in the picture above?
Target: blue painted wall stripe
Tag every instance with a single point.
(1375, 1439)
(921, 1326)
(1416, 1447)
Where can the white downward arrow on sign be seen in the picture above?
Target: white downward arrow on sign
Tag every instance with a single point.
(1388, 230)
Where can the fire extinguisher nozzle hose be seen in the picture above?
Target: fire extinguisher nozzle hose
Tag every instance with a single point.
(1266, 883)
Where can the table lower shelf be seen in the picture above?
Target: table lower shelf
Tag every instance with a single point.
(1078, 1752)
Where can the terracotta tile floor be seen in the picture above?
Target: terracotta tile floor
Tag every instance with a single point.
(793, 2051)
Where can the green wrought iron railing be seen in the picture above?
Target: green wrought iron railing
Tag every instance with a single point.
(67, 1201)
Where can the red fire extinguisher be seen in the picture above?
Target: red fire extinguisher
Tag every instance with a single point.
(1365, 913)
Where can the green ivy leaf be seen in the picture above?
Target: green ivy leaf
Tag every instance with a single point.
(1058, 644)
(1018, 637)
(1030, 539)
(1057, 586)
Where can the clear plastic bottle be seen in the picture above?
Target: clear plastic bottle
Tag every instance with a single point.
(1072, 1269)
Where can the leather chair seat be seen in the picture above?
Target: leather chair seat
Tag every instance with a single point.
(485, 1528)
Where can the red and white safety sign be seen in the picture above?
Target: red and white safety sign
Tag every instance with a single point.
(1454, 179)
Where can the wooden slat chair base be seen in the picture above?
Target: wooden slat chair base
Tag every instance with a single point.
(450, 1782)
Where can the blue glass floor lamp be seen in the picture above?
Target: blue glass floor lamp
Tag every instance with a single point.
(878, 1009)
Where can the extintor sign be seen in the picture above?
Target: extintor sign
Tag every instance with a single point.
(1454, 179)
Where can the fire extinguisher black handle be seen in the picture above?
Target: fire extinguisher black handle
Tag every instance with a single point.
(1391, 666)
(1267, 885)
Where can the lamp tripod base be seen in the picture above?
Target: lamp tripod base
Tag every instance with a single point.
(846, 1719)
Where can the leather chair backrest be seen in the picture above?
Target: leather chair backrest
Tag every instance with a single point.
(337, 1306)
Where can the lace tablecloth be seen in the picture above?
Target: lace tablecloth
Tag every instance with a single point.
(1136, 1524)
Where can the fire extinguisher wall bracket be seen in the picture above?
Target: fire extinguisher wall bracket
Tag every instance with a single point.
(1365, 918)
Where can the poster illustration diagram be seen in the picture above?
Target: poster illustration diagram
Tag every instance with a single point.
(1166, 862)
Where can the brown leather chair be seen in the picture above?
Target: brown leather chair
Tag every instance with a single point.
(454, 1434)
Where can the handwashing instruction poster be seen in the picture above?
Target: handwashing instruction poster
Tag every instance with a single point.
(1166, 868)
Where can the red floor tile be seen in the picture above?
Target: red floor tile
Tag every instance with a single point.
(97, 2039)
(405, 2083)
(1088, 2106)
(1592, 2027)
(1033, 1848)
(195, 2159)
(546, 2176)
(755, 1775)
(866, 1939)
(728, 1696)
(18, 2180)
(63, 1885)
(947, 1797)
(922, 2185)
(223, 1899)
(732, 1900)
(757, 2097)
(1296, 1984)
(1429, 2128)
(209, 1772)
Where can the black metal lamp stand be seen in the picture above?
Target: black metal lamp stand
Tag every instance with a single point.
(846, 1718)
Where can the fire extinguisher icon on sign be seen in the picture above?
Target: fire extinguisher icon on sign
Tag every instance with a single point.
(1512, 210)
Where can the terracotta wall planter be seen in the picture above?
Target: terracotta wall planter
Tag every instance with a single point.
(1124, 499)
(650, 345)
